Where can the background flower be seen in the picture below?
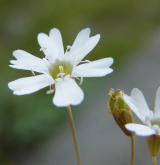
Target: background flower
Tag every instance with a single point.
(150, 119)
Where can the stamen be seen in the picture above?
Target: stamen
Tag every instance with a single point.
(61, 69)
(33, 72)
(68, 48)
(50, 91)
(43, 49)
(85, 61)
(80, 80)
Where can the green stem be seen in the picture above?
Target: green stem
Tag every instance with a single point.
(74, 135)
(132, 150)
(154, 159)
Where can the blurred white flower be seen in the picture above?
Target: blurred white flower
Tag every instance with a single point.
(59, 69)
(149, 118)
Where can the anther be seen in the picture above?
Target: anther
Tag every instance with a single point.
(81, 81)
(85, 61)
(61, 69)
(42, 49)
(68, 48)
(50, 91)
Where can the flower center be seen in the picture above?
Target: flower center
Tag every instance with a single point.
(61, 69)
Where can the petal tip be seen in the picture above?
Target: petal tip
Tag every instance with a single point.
(54, 30)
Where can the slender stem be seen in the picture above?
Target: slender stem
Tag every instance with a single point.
(132, 150)
(154, 159)
(74, 135)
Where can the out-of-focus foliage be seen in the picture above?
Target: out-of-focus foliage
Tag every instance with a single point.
(123, 25)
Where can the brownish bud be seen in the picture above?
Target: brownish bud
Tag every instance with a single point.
(120, 110)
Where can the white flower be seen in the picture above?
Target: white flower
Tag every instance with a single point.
(149, 118)
(59, 69)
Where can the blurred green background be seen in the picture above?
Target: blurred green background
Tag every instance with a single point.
(124, 26)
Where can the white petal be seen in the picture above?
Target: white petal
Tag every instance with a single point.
(141, 103)
(93, 69)
(91, 72)
(55, 35)
(29, 85)
(101, 63)
(27, 61)
(49, 47)
(67, 92)
(78, 54)
(140, 130)
(131, 103)
(81, 38)
(157, 103)
(139, 98)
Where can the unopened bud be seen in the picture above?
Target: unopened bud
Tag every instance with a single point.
(120, 110)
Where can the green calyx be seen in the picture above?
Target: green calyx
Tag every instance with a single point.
(120, 110)
(154, 145)
(155, 122)
(61, 69)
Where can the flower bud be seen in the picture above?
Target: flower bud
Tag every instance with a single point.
(120, 110)
(154, 145)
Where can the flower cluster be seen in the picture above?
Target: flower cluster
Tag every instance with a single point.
(60, 70)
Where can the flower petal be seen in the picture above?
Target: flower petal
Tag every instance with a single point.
(140, 102)
(27, 61)
(96, 68)
(157, 103)
(78, 54)
(92, 72)
(55, 35)
(138, 105)
(81, 38)
(140, 130)
(29, 85)
(48, 46)
(101, 63)
(67, 92)
(131, 103)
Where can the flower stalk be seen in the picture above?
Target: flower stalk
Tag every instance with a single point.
(74, 135)
(133, 150)
(154, 159)
(154, 147)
